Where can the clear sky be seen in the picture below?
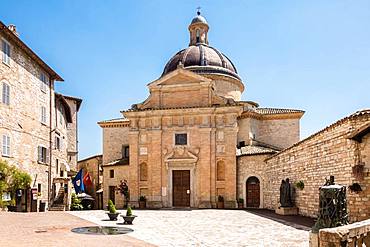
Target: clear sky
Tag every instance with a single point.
(310, 55)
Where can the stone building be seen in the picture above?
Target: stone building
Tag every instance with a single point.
(93, 165)
(178, 147)
(38, 126)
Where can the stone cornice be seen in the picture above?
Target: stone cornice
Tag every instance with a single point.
(115, 123)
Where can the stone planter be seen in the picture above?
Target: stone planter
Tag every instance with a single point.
(142, 204)
(12, 208)
(113, 216)
(220, 204)
(128, 219)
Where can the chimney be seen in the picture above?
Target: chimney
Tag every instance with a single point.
(13, 28)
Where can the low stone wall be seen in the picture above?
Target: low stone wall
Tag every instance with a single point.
(357, 234)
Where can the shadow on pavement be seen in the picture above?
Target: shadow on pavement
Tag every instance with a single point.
(297, 221)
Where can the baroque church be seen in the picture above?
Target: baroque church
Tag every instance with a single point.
(193, 139)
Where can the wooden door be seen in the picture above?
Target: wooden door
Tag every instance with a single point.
(253, 192)
(112, 194)
(181, 188)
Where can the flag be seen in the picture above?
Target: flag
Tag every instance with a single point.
(87, 180)
(78, 183)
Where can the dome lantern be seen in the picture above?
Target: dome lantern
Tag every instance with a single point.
(198, 29)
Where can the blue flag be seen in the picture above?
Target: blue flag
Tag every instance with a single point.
(78, 183)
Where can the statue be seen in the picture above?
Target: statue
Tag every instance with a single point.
(286, 194)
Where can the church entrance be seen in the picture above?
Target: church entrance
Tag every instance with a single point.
(181, 188)
(253, 192)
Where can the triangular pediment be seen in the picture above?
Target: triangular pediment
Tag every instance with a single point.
(179, 76)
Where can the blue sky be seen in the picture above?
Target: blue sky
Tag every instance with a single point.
(310, 55)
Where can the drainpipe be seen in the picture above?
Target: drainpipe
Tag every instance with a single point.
(51, 83)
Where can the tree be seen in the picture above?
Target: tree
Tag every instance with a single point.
(123, 190)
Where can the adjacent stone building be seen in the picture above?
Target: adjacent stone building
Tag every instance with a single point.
(38, 127)
(178, 147)
(93, 166)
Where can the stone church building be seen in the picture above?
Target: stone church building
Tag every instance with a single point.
(193, 139)
(179, 146)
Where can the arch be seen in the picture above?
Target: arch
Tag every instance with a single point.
(220, 170)
(253, 176)
(143, 172)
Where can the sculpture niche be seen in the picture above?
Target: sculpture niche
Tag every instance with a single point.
(286, 199)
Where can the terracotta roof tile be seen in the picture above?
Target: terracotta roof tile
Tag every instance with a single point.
(251, 150)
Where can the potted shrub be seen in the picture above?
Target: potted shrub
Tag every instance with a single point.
(142, 202)
(112, 211)
(220, 202)
(240, 203)
(128, 218)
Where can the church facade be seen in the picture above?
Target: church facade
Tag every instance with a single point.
(181, 147)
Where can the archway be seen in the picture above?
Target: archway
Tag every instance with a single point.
(253, 192)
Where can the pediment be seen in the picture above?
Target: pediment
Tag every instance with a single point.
(181, 154)
(179, 76)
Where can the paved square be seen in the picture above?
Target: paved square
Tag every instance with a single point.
(208, 227)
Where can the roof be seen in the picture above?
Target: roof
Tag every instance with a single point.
(29, 52)
(253, 150)
(91, 157)
(64, 103)
(119, 162)
(271, 112)
(78, 100)
(339, 122)
(116, 122)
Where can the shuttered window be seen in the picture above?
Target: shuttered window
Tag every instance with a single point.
(5, 94)
(43, 155)
(6, 145)
(6, 52)
(44, 82)
(43, 115)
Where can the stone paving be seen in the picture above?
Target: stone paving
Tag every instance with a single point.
(208, 227)
(53, 229)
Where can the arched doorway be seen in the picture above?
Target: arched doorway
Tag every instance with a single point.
(253, 192)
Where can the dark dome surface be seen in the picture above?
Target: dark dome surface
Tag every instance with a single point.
(202, 59)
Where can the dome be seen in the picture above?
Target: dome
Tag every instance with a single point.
(199, 19)
(202, 59)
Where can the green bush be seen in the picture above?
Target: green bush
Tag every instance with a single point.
(220, 198)
(111, 208)
(129, 211)
(142, 198)
(76, 203)
(299, 184)
(240, 200)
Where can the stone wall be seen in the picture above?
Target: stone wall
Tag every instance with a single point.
(120, 173)
(328, 152)
(113, 139)
(251, 166)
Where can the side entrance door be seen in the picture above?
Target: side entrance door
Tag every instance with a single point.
(253, 192)
(181, 188)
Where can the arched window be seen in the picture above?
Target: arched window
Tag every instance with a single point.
(197, 35)
(220, 170)
(143, 172)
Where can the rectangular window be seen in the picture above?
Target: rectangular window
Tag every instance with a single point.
(125, 151)
(57, 142)
(6, 52)
(44, 82)
(6, 145)
(39, 188)
(56, 166)
(43, 155)
(181, 139)
(43, 114)
(111, 173)
(6, 94)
